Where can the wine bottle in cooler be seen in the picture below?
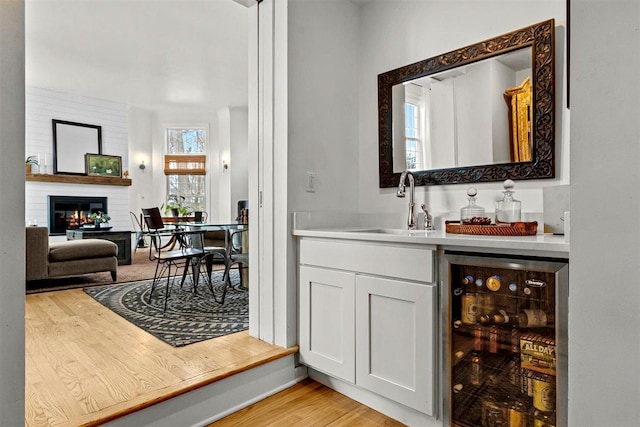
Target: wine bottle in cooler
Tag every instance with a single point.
(528, 318)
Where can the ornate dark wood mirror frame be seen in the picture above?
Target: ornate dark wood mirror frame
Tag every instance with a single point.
(541, 38)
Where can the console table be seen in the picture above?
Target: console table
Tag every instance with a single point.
(120, 238)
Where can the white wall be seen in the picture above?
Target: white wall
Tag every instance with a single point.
(604, 319)
(322, 130)
(141, 192)
(501, 77)
(43, 105)
(233, 146)
(323, 100)
(223, 146)
(429, 28)
(473, 115)
(239, 160)
(12, 256)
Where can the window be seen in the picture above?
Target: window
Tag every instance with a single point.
(185, 167)
(412, 136)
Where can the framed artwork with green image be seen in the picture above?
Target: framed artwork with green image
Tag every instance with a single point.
(103, 165)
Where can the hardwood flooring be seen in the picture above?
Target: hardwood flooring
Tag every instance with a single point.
(307, 404)
(86, 365)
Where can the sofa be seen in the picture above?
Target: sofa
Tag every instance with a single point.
(46, 260)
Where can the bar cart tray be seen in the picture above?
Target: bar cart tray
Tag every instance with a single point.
(507, 229)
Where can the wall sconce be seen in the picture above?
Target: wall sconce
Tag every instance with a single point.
(225, 165)
(142, 165)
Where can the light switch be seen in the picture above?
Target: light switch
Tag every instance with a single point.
(311, 182)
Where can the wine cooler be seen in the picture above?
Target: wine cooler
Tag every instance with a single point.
(505, 352)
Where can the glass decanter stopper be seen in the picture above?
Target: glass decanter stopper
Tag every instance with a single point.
(508, 209)
(472, 213)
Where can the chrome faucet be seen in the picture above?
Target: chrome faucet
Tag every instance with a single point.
(428, 218)
(411, 221)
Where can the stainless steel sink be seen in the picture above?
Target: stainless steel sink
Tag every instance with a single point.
(395, 231)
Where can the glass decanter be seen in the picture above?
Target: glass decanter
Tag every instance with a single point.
(472, 213)
(508, 209)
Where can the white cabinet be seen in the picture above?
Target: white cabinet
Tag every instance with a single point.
(395, 340)
(367, 316)
(327, 313)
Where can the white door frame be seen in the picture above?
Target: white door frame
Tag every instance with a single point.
(272, 308)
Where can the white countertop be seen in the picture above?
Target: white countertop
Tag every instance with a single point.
(539, 245)
(390, 228)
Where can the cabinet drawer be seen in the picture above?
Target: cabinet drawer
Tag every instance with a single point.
(402, 262)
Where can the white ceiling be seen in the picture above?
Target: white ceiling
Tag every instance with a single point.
(160, 55)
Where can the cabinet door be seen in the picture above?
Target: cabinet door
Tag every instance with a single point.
(327, 316)
(395, 332)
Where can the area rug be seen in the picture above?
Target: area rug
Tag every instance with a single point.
(139, 269)
(189, 317)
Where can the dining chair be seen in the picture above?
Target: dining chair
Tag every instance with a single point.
(138, 229)
(242, 204)
(236, 255)
(189, 254)
(200, 216)
(213, 254)
(153, 220)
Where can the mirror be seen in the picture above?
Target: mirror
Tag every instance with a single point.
(481, 113)
(71, 141)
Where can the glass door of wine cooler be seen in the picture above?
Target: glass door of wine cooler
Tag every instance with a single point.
(505, 341)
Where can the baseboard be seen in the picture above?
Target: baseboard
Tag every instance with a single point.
(392, 409)
(300, 374)
(214, 401)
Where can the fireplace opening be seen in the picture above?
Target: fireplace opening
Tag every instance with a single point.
(70, 212)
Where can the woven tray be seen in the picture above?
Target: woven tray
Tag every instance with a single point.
(510, 229)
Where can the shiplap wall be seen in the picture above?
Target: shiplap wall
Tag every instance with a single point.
(43, 105)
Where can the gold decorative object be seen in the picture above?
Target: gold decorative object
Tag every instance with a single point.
(519, 101)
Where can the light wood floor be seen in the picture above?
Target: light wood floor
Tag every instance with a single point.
(307, 404)
(86, 365)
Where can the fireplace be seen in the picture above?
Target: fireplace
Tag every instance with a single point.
(71, 212)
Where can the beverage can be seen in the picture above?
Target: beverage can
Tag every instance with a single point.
(544, 393)
(469, 313)
(476, 370)
(478, 339)
(517, 415)
(493, 339)
(526, 387)
(543, 420)
(492, 413)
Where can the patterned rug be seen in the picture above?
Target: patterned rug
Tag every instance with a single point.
(189, 317)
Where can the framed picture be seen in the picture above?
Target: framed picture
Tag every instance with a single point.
(70, 141)
(102, 165)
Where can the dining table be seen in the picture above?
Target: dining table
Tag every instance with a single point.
(191, 228)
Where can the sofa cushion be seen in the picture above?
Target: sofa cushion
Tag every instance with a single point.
(81, 249)
(83, 266)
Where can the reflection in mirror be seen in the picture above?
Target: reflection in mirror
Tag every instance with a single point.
(463, 117)
(485, 112)
(71, 141)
